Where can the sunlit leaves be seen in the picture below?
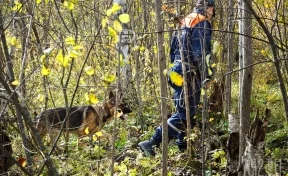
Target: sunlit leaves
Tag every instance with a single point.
(70, 4)
(86, 130)
(40, 97)
(104, 22)
(45, 71)
(91, 98)
(96, 135)
(208, 60)
(17, 6)
(176, 78)
(169, 9)
(202, 92)
(63, 60)
(117, 26)
(124, 18)
(116, 7)
(38, 1)
(112, 32)
(70, 41)
(42, 58)
(13, 41)
(89, 70)
(108, 78)
(15, 83)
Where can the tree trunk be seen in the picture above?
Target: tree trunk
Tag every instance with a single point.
(233, 145)
(163, 83)
(230, 56)
(124, 48)
(246, 77)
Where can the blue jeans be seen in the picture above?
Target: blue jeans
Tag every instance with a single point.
(177, 123)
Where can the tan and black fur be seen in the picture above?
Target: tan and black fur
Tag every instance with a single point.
(80, 118)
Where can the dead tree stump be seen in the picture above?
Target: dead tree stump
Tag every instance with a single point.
(253, 158)
(233, 145)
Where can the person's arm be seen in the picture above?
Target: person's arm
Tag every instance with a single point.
(173, 46)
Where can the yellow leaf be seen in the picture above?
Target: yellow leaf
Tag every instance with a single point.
(45, 71)
(112, 32)
(70, 40)
(38, 1)
(62, 60)
(46, 1)
(213, 65)
(210, 72)
(208, 57)
(69, 5)
(116, 39)
(135, 48)
(142, 48)
(86, 96)
(15, 83)
(176, 78)
(40, 97)
(124, 18)
(115, 7)
(42, 58)
(78, 48)
(82, 81)
(109, 78)
(109, 12)
(202, 92)
(99, 133)
(93, 99)
(95, 137)
(104, 22)
(74, 53)
(117, 26)
(17, 6)
(216, 47)
(211, 120)
(89, 70)
(86, 130)
(13, 41)
(165, 72)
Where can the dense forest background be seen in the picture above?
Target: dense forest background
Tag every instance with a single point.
(73, 52)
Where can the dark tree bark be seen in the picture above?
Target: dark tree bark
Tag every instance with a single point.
(163, 83)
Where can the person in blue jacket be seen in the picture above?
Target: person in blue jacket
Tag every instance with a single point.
(196, 43)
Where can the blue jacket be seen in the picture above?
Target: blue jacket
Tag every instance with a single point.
(195, 28)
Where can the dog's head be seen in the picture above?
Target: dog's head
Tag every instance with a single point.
(122, 108)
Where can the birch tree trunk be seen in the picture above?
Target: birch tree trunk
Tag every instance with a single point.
(124, 48)
(163, 83)
(246, 78)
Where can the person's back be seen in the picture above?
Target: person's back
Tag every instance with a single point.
(195, 39)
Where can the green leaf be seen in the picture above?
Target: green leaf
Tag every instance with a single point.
(38, 1)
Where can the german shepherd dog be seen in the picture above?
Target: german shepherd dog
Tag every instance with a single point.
(81, 120)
